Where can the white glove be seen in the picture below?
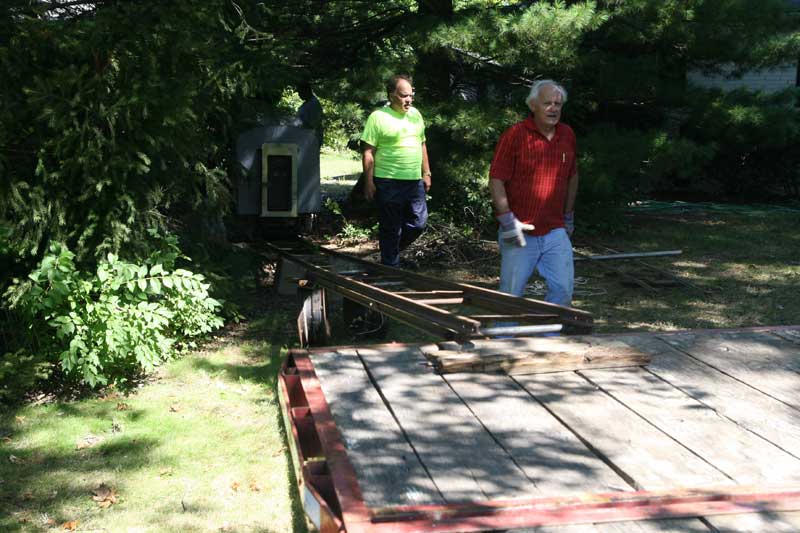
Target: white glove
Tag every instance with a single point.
(569, 222)
(511, 229)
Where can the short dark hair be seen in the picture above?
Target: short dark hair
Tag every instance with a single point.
(391, 83)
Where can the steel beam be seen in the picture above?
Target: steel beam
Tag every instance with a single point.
(486, 298)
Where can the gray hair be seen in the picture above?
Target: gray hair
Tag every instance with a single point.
(537, 87)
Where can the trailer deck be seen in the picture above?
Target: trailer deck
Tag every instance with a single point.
(705, 437)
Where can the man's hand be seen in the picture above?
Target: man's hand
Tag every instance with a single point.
(368, 166)
(569, 222)
(426, 179)
(369, 189)
(511, 229)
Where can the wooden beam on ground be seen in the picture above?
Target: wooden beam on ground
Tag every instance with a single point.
(625, 276)
(533, 356)
(672, 276)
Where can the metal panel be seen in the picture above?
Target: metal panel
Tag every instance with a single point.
(248, 153)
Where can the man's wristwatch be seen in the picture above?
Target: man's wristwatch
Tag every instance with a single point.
(426, 174)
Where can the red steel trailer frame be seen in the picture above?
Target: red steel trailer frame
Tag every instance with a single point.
(333, 501)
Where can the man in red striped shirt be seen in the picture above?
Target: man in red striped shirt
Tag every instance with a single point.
(534, 180)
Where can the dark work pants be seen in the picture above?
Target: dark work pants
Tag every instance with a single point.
(402, 214)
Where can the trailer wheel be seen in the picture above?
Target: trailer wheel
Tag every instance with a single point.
(313, 327)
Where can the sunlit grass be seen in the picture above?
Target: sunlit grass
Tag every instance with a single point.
(333, 164)
(746, 268)
(199, 448)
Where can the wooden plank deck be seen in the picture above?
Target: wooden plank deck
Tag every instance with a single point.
(711, 409)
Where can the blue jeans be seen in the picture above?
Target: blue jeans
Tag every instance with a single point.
(550, 255)
(402, 215)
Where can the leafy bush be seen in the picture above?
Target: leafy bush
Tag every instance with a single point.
(343, 123)
(461, 140)
(618, 166)
(463, 195)
(350, 233)
(121, 320)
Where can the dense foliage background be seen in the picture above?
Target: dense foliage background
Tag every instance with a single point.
(117, 117)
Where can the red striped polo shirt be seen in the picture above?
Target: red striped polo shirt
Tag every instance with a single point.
(536, 171)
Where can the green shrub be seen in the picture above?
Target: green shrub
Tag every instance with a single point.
(123, 319)
(350, 233)
(618, 166)
(343, 123)
(460, 192)
(756, 140)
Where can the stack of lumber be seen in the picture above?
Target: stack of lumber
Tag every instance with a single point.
(533, 355)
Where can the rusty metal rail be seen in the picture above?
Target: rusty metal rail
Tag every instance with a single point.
(446, 309)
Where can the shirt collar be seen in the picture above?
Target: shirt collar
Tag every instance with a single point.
(530, 125)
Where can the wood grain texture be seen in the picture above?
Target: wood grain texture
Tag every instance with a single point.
(389, 472)
(741, 455)
(549, 454)
(462, 458)
(759, 413)
(649, 458)
(763, 361)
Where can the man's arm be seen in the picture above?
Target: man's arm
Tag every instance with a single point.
(572, 193)
(499, 198)
(368, 165)
(426, 168)
(569, 205)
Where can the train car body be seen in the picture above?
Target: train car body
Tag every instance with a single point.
(280, 177)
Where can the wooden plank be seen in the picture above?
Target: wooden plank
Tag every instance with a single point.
(530, 355)
(685, 525)
(549, 454)
(524, 318)
(515, 363)
(464, 461)
(741, 455)
(783, 522)
(758, 413)
(573, 344)
(388, 471)
(642, 454)
(761, 414)
(792, 335)
(759, 359)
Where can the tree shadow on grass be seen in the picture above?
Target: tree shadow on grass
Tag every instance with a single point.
(35, 480)
(55, 478)
(269, 339)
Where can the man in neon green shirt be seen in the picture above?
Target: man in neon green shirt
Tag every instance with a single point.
(396, 169)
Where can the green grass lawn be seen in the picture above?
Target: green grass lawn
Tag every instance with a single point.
(335, 164)
(747, 265)
(199, 447)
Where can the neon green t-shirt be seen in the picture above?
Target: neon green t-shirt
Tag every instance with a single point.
(397, 138)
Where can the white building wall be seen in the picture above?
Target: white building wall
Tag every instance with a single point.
(768, 80)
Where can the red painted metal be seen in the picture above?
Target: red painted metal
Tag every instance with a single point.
(316, 486)
(333, 482)
(590, 508)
